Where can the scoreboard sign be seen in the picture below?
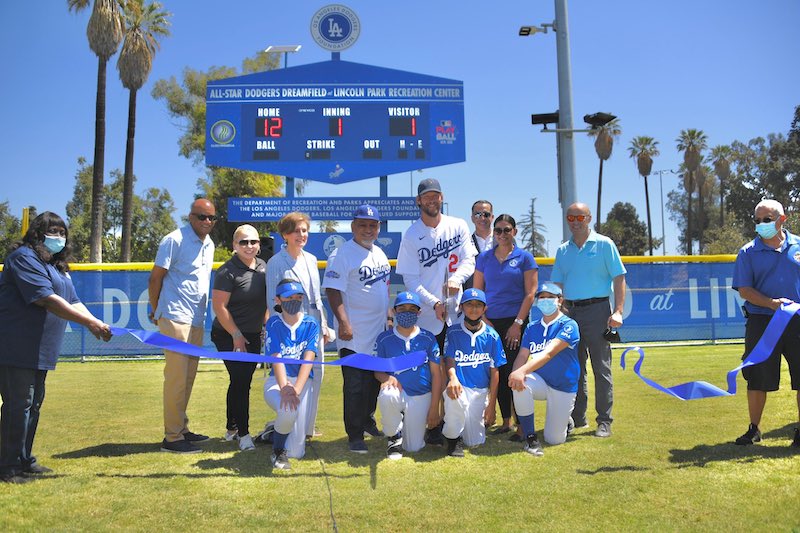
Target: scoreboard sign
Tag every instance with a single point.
(334, 122)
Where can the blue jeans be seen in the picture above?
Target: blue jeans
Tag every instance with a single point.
(22, 390)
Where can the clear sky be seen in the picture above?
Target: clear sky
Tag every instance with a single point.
(728, 67)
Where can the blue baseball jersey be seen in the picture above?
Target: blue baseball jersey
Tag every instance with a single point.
(562, 371)
(415, 380)
(475, 354)
(291, 342)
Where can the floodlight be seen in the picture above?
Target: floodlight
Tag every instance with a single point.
(598, 120)
(545, 118)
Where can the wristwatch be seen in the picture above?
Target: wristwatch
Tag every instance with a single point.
(518, 321)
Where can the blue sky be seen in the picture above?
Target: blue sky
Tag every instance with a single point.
(724, 67)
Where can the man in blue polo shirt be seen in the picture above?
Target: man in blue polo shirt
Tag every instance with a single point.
(586, 267)
(767, 274)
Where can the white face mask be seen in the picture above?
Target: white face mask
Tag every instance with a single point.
(547, 306)
(54, 244)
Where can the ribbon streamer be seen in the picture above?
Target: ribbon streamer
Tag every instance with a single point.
(695, 390)
(357, 360)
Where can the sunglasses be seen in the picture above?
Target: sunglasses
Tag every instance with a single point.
(251, 242)
(579, 218)
(482, 214)
(203, 218)
(506, 230)
(765, 220)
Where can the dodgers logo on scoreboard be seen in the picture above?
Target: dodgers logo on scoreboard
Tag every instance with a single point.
(335, 27)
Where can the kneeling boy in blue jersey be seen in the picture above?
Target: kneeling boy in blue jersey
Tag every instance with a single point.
(473, 351)
(405, 396)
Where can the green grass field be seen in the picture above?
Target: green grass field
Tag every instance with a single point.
(669, 465)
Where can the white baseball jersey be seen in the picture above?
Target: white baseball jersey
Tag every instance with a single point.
(429, 257)
(362, 276)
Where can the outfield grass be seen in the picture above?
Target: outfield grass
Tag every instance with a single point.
(669, 465)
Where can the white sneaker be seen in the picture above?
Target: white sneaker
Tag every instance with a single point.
(231, 435)
(246, 443)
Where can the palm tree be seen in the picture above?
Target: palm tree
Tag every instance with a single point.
(720, 157)
(692, 143)
(643, 149)
(603, 145)
(104, 32)
(143, 26)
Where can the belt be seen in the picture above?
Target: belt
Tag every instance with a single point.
(587, 301)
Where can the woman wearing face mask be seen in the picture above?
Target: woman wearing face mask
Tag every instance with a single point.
(547, 368)
(508, 275)
(292, 261)
(36, 300)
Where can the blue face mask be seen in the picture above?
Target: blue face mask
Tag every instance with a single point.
(767, 230)
(406, 319)
(54, 244)
(291, 307)
(547, 306)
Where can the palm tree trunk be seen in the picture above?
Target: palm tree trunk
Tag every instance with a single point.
(127, 183)
(700, 223)
(96, 237)
(721, 203)
(689, 219)
(649, 226)
(599, 195)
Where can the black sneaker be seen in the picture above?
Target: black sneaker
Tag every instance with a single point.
(455, 447)
(358, 446)
(374, 432)
(394, 449)
(280, 460)
(195, 437)
(796, 441)
(751, 435)
(434, 437)
(532, 446)
(179, 446)
(36, 470)
(265, 437)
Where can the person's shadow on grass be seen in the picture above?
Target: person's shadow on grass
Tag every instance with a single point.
(703, 454)
(111, 450)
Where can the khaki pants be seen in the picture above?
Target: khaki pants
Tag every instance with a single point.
(179, 373)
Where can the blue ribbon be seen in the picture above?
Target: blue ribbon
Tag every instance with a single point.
(695, 390)
(356, 360)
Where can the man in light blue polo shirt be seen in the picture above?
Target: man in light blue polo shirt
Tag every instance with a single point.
(178, 290)
(767, 274)
(586, 267)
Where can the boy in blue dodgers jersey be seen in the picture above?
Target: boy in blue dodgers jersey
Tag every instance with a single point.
(405, 396)
(547, 368)
(473, 352)
(291, 334)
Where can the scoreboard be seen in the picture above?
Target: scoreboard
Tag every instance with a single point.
(334, 121)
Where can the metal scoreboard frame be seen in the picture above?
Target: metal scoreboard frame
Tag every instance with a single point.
(334, 122)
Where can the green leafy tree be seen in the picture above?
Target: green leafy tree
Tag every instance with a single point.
(691, 142)
(104, 33)
(10, 230)
(327, 226)
(625, 228)
(727, 239)
(643, 149)
(604, 145)
(144, 25)
(531, 234)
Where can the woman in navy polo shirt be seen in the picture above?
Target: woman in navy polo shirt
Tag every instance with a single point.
(36, 300)
(508, 275)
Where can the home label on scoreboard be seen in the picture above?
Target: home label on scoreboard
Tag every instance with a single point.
(316, 122)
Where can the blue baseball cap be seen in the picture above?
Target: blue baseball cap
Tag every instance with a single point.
(428, 185)
(548, 286)
(368, 212)
(407, 298)
(289, 288)
(473, 294)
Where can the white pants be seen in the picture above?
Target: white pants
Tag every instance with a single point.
(315, 387)
(287, 420)
(464, 416)
(559, 406)
(409, 413)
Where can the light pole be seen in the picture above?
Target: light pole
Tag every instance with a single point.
(661, 189)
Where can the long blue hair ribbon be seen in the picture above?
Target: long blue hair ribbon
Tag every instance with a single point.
(694, 390)
(356, 360)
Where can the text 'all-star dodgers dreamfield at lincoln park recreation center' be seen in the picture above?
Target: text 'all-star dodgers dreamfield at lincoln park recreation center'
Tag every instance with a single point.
(339, 121)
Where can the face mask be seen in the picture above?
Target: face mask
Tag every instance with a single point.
(291, 306)
(766, 230)
(468, 321)
(54, 244)
(406, 319)
(547, 306)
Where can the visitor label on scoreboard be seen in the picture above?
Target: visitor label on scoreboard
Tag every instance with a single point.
(272, 209)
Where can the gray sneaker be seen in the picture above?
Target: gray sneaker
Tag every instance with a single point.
(533, 447)
(603, 430)
(394, 450)
(280, 460)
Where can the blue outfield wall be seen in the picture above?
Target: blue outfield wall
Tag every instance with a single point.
(669, 301)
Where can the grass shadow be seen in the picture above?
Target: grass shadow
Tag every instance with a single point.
(612, 469)
(703, 454)
(112, 450)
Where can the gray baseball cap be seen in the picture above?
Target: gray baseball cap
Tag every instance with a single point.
(428, 185)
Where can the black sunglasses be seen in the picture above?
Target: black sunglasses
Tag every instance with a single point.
(484, 214)
(765, 220)
(507, 229)
(203, 218)
(251, 242)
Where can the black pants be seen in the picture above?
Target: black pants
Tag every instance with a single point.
(360, 393)
(504, 396)
(22, 391)
(241, 376)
